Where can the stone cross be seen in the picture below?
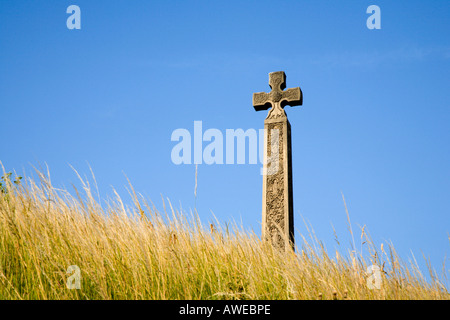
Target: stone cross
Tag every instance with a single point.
(277, 207)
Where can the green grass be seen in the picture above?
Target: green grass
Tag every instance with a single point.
(139, 253)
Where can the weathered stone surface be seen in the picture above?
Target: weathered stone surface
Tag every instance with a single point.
(277, 98)
(277, 212)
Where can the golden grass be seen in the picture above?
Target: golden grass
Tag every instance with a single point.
(139, 253)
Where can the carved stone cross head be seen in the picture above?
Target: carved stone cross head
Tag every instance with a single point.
(277, 98)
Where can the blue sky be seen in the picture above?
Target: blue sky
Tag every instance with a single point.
(373, 125)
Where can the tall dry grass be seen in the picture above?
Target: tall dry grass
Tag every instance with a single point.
(138, 252)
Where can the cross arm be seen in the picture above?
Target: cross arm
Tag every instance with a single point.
(261, 101)
(292, 97)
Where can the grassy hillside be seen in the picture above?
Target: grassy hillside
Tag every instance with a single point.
(140, 253)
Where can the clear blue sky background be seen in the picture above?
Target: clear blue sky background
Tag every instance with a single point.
(374, 124)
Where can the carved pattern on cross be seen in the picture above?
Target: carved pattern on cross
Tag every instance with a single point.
(275, 219)
(278, 98)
